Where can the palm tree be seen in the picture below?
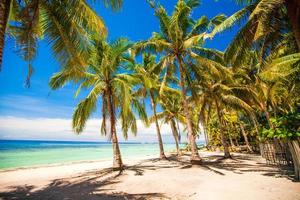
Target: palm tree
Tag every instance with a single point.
(267, 29)
(172, 113)
(215, 85)
(149, 75)
(65, 24)
(105, 81)
(178, 35)
(268, 84)
(242, 127)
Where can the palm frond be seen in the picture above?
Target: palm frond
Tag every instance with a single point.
(83, 110)
(232, 20)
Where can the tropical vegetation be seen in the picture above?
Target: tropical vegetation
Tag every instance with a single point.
(240, 97)
(114, 88)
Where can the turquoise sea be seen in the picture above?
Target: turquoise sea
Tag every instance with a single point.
(17, 153)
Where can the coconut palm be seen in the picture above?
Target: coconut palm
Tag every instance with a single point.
(269, 84)
(172, 113)
(65, 24)
(106, 82)
(149, 74)
(178, 35)
(244, 134)
(216, 87)
(269, 27)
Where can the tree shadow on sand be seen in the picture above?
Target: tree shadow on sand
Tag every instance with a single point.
(87, 186)
(91, 185)
(240, 164)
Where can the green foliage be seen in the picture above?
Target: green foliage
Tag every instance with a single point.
(285, 127)
(67, 26)
(104, 80)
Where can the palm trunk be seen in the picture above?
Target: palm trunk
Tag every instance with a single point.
(205, 136)
(117, 161)
(195, 155)
(228, 133)
(160, 143)
(205, 125)
(245, 137)
(293, 11)
(236, 137)
(176, 136)
(4, 14)
(268, 119)
(223, 137)
(236, 142)
(256, 126)
(294, 147)
(202, 122)
(231, 141)
(178, 130)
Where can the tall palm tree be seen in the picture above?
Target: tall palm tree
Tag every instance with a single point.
(65, 24)
(103, 78)
(178, 35)
(149, 74)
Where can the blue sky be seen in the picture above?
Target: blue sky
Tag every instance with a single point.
(21, 108)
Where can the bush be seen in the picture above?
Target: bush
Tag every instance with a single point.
(285, 127)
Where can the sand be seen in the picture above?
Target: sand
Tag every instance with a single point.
(244, 177)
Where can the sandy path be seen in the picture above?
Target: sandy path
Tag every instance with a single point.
(244, 178)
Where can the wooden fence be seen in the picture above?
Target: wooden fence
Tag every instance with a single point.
(276, 152)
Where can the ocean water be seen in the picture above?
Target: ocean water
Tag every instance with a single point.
(16, 154)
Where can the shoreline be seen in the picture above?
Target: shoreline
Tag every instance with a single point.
(69, 163)
(99, 161)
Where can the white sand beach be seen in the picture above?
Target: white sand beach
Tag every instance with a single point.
(243, 177)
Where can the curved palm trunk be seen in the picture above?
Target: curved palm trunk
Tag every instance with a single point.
(175, 135)
(117, 160)
(256, 126)
(160, 143)
(268, 119)
(205, 126)
(293, 11)
(245, 137)
(4, 14)
(195, 155)
(223, 137)
(205, 136)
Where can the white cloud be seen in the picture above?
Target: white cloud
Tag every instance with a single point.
(60, 129)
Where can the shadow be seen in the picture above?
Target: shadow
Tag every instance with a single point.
(145, 165)
(87, 186)
(243, 163)
(91, 185)
(237, 163)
